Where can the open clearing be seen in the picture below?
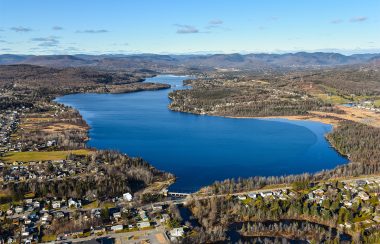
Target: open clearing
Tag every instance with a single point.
(39, 156)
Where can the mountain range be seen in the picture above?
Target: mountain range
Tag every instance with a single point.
(199, 62)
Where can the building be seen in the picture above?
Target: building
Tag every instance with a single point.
(116, 215)
(364, 196)
(127, 197)
(143, 224)
(242, 197)
(117, 227)
(252, 195)
(177, 232)
(56, 204)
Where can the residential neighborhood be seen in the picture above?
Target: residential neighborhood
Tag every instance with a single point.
(61, 220)
(355, 200)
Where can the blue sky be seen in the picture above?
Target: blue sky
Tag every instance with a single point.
(196, 26)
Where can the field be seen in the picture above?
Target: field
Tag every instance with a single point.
(38, 156)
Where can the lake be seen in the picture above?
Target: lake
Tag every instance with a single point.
(201, 149)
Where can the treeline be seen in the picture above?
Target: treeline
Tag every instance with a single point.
(116, 174)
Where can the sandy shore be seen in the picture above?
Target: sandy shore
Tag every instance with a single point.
(352, 114)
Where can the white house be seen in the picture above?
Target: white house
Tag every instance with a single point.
(143, 224)
(19, 209)
(242, 197)
(117, 227)
(266, 194)
(252, 195)
(56, 204)
(364, 196)
(72, 203)
(177, 232)
(117, 215)
(127, 197)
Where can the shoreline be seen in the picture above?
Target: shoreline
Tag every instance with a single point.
(329, 121)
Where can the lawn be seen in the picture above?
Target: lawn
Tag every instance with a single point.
(91, 205)
(49, 238)
(37, 156)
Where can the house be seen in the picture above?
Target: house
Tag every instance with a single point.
(361, 183)
(143, 224)
(29, 200)
(46, 217)
(127, 197)
(266, 194)
(116, 215)
(376, 218)
(117, 227)
(177, 232)
(319, 192)
(348, 225)
(72, 203)
(363, 195)
(242, 197)
(96, 212)
(19, 209)
(56, 204)
(348, 204)
(156, 207)
(252, 195)
(36, 204)
(59, 215)
(164, 218)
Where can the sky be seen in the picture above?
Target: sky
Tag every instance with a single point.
(188, 27)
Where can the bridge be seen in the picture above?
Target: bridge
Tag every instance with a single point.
(178, 194)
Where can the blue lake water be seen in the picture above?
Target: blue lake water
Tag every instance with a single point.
(201, 149)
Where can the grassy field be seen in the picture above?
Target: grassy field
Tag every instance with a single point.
(36, 156)
(334, 99)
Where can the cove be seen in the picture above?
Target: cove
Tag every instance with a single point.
(201, 149)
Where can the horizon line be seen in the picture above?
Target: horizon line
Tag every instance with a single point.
(196, 53)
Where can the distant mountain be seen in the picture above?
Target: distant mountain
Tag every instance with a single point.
(211, 61)
(58, 61)
(11, 59)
